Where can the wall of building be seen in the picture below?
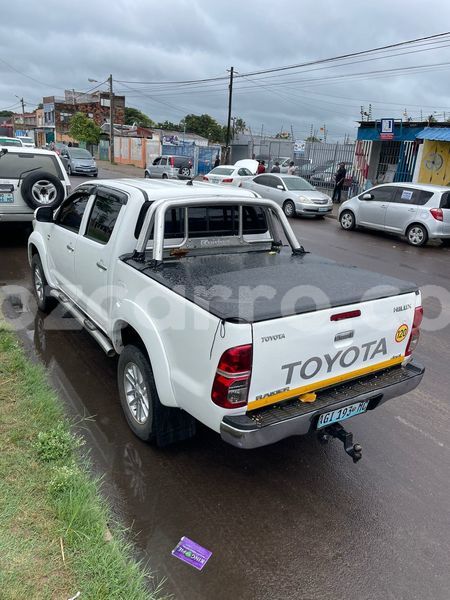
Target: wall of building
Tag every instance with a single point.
(435, 163)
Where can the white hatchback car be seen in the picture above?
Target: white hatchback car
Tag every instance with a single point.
(418, 211)
(30, 178)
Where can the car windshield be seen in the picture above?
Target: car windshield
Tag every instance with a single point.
(14, 164)
(9, 142)
(222, 171)
(79, 153)
(297, 184)
(27, 140)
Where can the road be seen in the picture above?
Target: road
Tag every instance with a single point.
(296, 520)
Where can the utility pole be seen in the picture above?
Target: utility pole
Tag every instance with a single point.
(111, 120)
(230, 98)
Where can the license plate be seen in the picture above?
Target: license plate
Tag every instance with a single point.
(341, 414)
(323, 209)
(214, 179)
(6, 198)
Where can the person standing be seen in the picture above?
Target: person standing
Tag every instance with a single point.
(339, 183)
(275, 168)
(291, 168)
(217, 162)
(261, 168)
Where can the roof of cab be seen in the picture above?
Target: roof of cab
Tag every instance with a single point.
(28, 150)
(156, 189)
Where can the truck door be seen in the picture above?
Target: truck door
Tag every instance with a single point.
(93, 255)
(63, 239)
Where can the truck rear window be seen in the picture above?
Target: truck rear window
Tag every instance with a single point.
(207, 221)
(14, 164)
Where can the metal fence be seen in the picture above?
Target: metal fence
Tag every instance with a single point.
(323, 163)
(202, 157)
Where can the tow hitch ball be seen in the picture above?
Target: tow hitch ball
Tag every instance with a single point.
(337, 431)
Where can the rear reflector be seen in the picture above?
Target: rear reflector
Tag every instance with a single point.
(351, 314)
(415, 331)
(232, 380)
(437, 213)
(228, 180)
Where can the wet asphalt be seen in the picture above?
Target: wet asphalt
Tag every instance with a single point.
(296, 520)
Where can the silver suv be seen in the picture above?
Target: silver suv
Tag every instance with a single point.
(418, 211)
(30, 178)
(170, 167)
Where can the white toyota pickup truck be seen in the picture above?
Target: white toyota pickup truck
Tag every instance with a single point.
(219, 315)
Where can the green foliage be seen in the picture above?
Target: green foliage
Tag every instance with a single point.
(83, 129)
(312, 138)
(239, 125)
(65, 479)
(56, 443)
(168, 125)
(135, 116)
(6, 113)
(205, 126)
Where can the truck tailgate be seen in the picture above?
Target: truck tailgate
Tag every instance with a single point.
(298, 354)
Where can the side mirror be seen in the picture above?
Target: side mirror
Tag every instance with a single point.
(367, 196)
(44, 214)
(280, 187)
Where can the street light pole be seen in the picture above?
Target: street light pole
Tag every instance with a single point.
(111, 120)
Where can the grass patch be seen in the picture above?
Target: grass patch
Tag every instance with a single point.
(56, 536)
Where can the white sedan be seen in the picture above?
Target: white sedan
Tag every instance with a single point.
(228, 174)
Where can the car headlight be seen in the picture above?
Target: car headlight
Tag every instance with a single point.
(305, 200)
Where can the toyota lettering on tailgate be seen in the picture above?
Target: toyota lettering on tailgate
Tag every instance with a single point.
(327, 363)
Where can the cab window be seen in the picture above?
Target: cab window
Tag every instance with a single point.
(72, 210)
(104, 214)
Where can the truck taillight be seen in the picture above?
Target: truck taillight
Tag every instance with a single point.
(172, 161)
(437, 213)
(232, 380)
(415, 331)
(227, 180)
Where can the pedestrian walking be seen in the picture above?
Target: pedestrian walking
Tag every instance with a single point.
(217, 162)
(291, 168)
(275, 168)
(261, 167)
(339, 183)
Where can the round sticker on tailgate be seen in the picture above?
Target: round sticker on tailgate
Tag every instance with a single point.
(402, 332)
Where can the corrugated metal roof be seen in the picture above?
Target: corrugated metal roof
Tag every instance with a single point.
(435, 133)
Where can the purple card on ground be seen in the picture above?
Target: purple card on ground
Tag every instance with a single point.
(192, 553)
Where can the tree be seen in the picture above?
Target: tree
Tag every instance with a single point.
(168, 125)
(83, 129)
(6, 113)
(239, 125)
(312, 138)
(135, 116)
(205, 126)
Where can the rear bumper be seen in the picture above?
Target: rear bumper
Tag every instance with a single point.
(271, 424)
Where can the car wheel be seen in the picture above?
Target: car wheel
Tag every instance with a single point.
(40, 286)
(289, 208)
(42, 189)
(69, 169)
(347, 220)
(164, 176)
(417, 235)
(147, 175)
(95, 175)
(445, 242)
(185, 172)
(150, 420)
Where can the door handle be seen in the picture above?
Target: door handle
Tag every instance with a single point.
(101, 266)
(70, 248)
(411, 210)
(384, 206)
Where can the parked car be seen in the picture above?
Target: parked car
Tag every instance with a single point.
(298, 164)
(418, 211)
(79, 161)
(10, 141)
(326, 177)
(294, 194)
(228, 174)
(27, 141)
(170, 167)
(307, 170)
(30, 178)
(143, 266)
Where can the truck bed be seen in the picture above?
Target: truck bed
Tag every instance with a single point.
(241, 273)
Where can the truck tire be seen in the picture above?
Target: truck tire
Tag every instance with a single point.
(41, 188)
(40, 286)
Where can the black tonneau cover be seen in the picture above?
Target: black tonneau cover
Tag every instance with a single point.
(225, 284)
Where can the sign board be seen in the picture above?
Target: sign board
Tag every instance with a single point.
(387, 129)
(299, 146)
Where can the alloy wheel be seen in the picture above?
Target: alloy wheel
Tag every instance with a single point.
(136, 393)
(44, 192)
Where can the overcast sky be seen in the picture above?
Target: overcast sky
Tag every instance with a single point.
(52, 45)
